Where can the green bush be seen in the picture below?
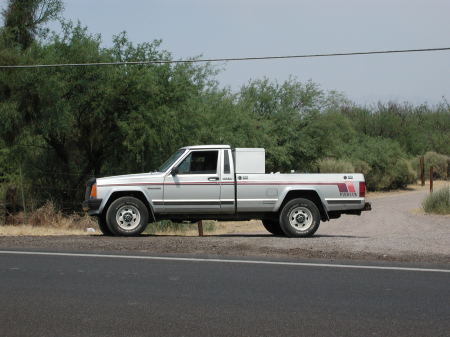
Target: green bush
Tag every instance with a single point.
(438, 202)
(439, 163)
(383, 161)
(330, 165)
(361, 166)
(403, 174)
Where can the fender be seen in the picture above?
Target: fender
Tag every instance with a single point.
(106, 198)
(306, 192)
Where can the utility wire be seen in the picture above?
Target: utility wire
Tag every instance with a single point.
(221, 59)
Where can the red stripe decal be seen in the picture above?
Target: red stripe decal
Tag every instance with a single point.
(350, 186)
(343, 187)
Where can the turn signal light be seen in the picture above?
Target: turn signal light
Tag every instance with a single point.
(93, 194)
(362, 189)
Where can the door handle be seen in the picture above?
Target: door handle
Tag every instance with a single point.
(213, 178)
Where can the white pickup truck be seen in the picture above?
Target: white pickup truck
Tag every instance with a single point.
(219, 183)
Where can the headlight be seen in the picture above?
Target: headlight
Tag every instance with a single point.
(93, 194)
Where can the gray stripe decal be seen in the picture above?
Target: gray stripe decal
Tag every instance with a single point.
(344, 202)
(191, 203)
(188, 203)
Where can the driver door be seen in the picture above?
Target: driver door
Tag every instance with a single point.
(196, 186)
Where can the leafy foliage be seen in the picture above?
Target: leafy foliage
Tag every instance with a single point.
(387, 163)
(59, 126)
(24, 19)
(330, 165)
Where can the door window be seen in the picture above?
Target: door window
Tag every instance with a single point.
(199, 162)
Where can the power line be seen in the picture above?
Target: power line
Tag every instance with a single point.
(221, 59)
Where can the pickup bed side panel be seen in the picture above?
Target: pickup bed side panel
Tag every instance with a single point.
(266, 192)
(255, 193)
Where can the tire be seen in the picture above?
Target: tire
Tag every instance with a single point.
(273, 226)
(101, 220)
(299, 218)
(127, 216)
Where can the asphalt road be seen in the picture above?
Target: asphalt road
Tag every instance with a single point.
(92, 296)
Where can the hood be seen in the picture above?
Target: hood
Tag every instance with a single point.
(132, 178)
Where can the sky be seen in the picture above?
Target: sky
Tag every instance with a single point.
(245, 28)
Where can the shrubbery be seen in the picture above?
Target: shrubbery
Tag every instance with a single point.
(330, 165)
(381, 160)
(439, 162)
(384, 161)
(438, 202)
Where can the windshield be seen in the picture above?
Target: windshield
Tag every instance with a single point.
(173, 158)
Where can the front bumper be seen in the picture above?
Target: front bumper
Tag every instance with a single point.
(92, 205)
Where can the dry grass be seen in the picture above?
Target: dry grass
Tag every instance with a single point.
(28, 230)
(48, 220)
(438, 202)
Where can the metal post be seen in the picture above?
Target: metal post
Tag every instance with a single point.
(431, 179)
(200, 228)
(422, 170)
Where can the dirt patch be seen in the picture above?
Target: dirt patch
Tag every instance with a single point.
(411, 188)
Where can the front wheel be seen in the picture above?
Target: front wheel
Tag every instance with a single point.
(299, 218)
(101, 220)
(272, 226)
(127, 216)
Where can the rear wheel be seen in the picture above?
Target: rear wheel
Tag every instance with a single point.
(127, 216)
(272, 226)
(300, 218)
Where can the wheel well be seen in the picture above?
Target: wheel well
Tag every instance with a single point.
(137, 194)
(307, 194)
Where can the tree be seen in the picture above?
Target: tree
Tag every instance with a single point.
(87, 121)
(23, 19)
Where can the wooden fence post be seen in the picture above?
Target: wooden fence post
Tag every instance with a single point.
(200, 228)
(448, 169)
(422, 170)
(431, 179)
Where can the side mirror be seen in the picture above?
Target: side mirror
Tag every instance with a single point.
(174, 171)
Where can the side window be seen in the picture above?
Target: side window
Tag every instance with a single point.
(226, 161)
(199, 162)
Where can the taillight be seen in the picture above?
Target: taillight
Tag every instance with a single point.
(93, 194)
(362, 189)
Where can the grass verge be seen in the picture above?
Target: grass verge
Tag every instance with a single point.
(438, 202)
(48, 220)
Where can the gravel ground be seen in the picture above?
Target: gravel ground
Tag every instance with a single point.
(394, 230)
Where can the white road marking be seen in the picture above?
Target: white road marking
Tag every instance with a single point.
(188, 259)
